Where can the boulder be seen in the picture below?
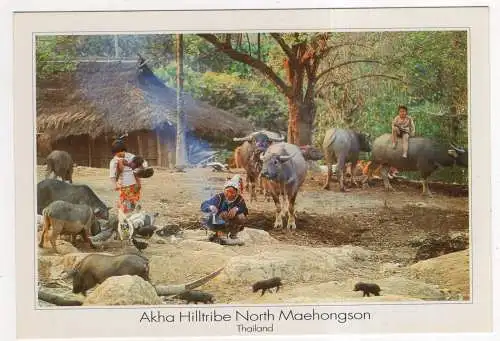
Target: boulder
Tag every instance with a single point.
(298, 264)
(450, 272)
(49, 267)
(123, 290)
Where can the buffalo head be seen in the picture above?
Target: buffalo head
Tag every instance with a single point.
(311, 153)
(273, 166)
(77, 279)
(460, 155)
(261, 139)
(365, 144)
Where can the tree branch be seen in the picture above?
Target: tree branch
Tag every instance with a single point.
(324, 72)
(335, 84)
(283, 45)
(251, 61)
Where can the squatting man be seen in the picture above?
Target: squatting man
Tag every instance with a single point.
(229, 206)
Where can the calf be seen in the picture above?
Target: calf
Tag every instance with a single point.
(67, 218)
(60, 163)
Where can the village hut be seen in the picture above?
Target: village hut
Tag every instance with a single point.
(81, 111)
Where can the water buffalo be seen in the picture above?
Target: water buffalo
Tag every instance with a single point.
(60, 163)
(247, 156)
(96, 268)
(50, 190)
(311, 153)
(67, 218)
(424, 155)
(284, 170)
(342, 146)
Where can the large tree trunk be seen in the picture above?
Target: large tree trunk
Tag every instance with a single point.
(300, 105)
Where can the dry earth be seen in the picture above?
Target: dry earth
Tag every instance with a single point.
(364, 234)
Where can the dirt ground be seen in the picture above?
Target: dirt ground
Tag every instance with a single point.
(370, 218)
(361, 216)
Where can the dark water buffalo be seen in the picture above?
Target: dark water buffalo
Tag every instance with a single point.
(284, 170)
(50, 190)
(311, 153)
(96, 268)
(60, 163)
(341, 146)
(67, 218)
(424, 155)
(247, 156)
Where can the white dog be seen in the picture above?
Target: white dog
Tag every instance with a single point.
(134, 220)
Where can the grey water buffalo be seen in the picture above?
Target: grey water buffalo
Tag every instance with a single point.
(60, 163)
(284, 170)
(67, 218)
(342, 146)
(247, 156)
(424, 156)
(96, 268)
(311, 153)
(50, 190)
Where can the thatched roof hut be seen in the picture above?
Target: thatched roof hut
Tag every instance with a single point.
(101, 99)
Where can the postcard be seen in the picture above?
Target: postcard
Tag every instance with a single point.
(252, 172)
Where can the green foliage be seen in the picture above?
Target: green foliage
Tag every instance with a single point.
(250, 98)
(54, 54)
(425, 70)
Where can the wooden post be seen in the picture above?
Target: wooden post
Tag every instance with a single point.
(90, 140)
(181, 152)
(139, 144)
(158, 150)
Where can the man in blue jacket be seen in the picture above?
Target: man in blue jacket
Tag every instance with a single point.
(230, 206)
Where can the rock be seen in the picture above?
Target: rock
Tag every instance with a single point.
(195, 234)
(390, 268)
(401, 286)
(49, 267)
(123, 290)
(435, 245)
(256, 236)
(196, 245)
(187, 261)
(63, 246)
(298, 264)
(450, 271)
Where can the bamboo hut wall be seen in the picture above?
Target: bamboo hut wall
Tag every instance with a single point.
(100, 148)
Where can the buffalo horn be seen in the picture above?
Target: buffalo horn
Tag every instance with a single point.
(246, 138)
(284, 158)
(271, 135)
(168, 290)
